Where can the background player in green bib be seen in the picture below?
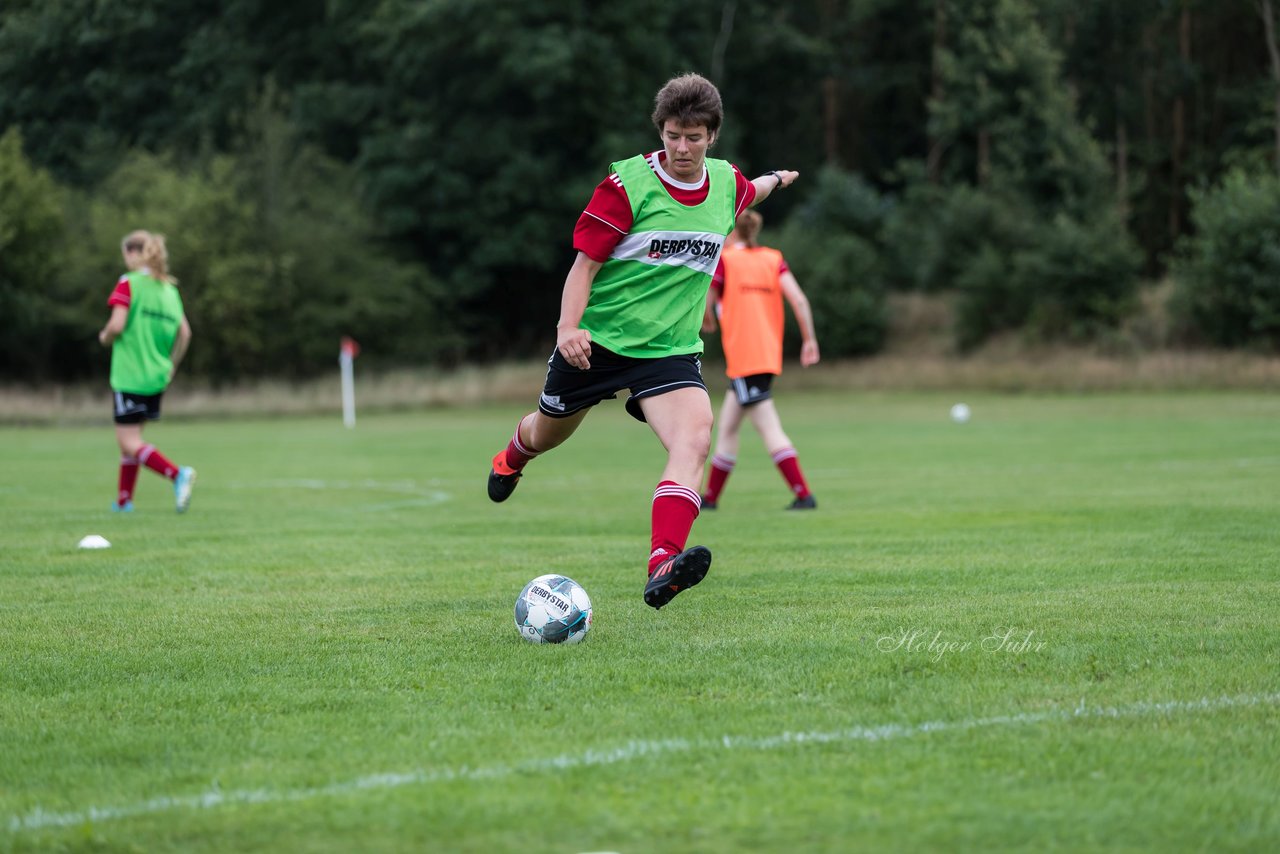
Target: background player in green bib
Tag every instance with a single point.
(631, 313)
(148, 335)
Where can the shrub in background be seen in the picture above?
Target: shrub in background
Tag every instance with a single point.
(275, 257)
(1228, 272)
(1011, 266)
(35, 319)
(1082, 276)
(830, 242)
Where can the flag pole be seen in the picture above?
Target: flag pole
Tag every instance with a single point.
(346, 361)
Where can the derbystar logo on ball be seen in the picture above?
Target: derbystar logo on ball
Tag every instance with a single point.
(553, 609)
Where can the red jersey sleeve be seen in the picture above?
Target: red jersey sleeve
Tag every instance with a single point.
(782, 266)
(606, 220)
(745, 192)
(717, 278)
(121, 296)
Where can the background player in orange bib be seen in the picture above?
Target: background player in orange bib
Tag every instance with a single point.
(747, 293)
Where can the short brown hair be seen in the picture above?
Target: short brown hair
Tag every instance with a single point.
(691, 100)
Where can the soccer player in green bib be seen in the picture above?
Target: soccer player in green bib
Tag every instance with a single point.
(148, 335)
(631, 313)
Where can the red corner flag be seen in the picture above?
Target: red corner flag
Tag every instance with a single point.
(346, 361)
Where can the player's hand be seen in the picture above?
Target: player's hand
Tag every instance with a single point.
(809, 354)
(709, 324)
(575, 345)
(788, 177)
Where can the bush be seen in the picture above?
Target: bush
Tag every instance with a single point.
(35, 317)
(963, 239)
(843, 202)
(275, 258)
(937, 233)
(1228, 273)
(1082, 277)
(841, 277)
(1059, 278)
(830, 242)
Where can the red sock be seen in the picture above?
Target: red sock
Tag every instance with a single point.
(128, 479)
(674, 509)
(156, 461)
(518, 455)
(721, 468)
(789, 465)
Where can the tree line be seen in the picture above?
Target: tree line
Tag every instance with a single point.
(409, 171)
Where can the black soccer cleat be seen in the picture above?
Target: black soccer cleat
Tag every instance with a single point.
(679, 573)
(502, 485)
(806, 503)
(707, 505)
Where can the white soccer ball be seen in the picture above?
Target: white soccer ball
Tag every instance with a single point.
(960, 413)
(553, 609)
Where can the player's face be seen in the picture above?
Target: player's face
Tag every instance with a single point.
(686, 149)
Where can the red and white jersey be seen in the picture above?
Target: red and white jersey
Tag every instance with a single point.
(607, 218)
(122, 295)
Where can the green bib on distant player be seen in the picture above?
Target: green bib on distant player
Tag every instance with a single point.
(140, 360)
(648, 299)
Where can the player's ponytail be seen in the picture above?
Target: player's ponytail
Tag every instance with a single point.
(156, 257)
(748, 226)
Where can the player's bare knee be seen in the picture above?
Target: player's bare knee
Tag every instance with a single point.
(698, 447)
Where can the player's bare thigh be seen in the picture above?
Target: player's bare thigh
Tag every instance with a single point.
(682, 419)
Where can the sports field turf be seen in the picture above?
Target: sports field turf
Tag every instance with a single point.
(320, 655)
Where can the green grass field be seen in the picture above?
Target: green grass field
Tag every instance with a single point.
(1055, 627)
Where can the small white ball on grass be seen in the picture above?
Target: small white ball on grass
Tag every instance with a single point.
(960, 413)
(95, 541)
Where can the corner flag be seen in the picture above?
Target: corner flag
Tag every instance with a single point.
(346, 361)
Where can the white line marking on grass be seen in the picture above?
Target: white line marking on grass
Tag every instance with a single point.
(420, 496)
(39, 818)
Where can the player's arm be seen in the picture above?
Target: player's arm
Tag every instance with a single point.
(804, 317)
(709, 324)
(770, 181)
(712, 311)
(115, 325)
(180, 345)
(573, 342)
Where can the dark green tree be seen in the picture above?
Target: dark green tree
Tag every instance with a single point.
(276, 260)
(1228, 272)
(36, 322)
(1019, 200)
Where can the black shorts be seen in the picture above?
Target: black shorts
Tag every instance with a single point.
(569, 389)
(753, 389)
(133, 408)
